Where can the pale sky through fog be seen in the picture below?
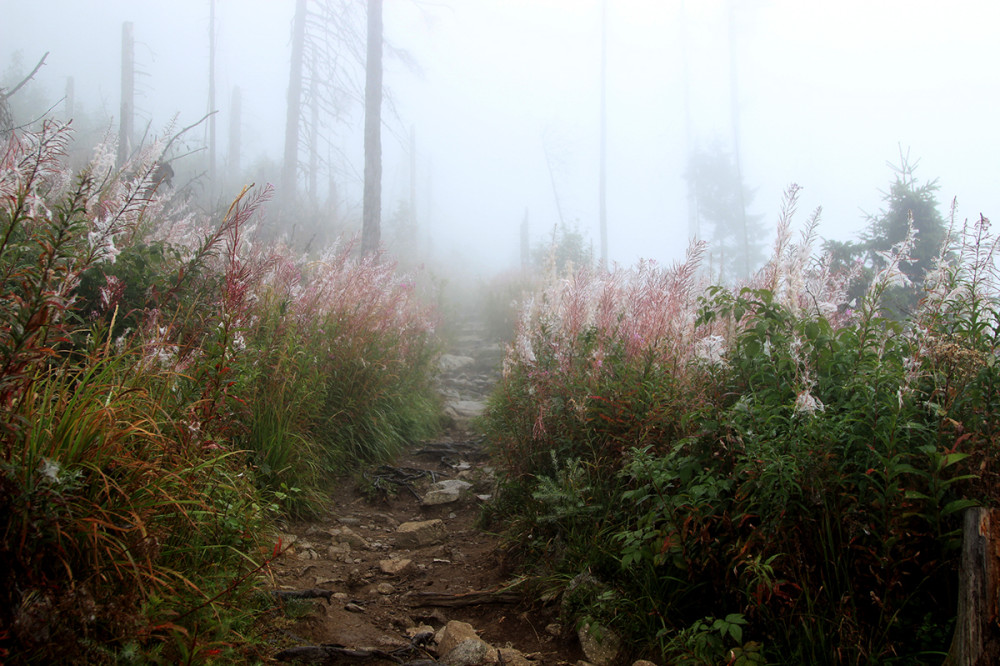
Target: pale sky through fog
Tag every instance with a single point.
(827, 91)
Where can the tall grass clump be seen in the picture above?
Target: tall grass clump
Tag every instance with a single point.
(755, 474)
(166, 388)
(342, 357)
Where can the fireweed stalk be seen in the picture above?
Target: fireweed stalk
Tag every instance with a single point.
(166, 386)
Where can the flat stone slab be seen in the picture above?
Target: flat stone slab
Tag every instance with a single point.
(416, 534)
(467, 409)
(452, 362)
(395, 567)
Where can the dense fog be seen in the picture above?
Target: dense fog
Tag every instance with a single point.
(502, 101)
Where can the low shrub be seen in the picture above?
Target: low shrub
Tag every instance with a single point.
(758, 473)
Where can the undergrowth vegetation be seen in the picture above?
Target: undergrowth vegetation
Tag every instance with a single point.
(760, 474)
(167, 388)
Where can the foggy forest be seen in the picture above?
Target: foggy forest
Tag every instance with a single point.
(499, 331)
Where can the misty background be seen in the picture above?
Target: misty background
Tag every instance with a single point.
(501, 99)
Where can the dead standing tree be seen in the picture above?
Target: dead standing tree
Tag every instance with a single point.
(127, 114)
(290, 166)
(323, 86)
(370, 228)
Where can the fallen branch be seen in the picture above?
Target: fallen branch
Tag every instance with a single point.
(338, 654)
(465, 599)
(314, 593)
(471, 449)
(5, 95)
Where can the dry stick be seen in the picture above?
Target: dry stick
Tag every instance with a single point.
(186, 129)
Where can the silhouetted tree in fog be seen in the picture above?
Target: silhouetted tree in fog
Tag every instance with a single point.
(887, 229)
(735, 239)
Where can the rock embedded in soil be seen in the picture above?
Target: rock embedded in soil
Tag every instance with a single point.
(395, 567)
(445, 492)
(350, 537)
(453, 633)
(470, 652)
(599, 643)
(416, 534)
(465, 410)
(452, 362)
(512, 657)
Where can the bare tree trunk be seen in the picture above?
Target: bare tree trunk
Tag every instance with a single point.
(332, 194)
(211, 93)
(555, 190)
(127, 112)
(413, 182)
(290, 168)
(70, 99)
(603, 197)
(734, 101)
(694, 218)
(235, 126)
(525, 247)
(372, 207)
(313, 137)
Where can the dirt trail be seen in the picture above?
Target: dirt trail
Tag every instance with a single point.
(382, 584)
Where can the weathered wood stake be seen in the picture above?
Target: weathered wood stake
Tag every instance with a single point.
(976, 641)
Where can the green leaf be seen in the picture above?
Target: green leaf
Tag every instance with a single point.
(953, 458)
(915, 494)
(958, 505)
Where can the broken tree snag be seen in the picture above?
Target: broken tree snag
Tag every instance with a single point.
(976, 641)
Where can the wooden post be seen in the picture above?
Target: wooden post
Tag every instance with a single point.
(977, 634)
(127, 111)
